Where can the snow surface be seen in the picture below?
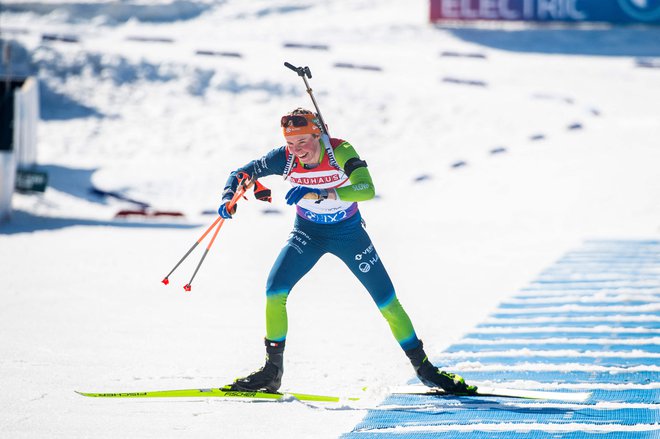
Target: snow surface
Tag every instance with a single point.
(83, 306)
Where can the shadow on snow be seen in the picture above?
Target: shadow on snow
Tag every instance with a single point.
(75, 182)
(24, 222)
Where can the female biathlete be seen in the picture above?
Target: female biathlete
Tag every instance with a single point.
(328, 179)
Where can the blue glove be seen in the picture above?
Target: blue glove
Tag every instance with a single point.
(297, 193)
(224, 213)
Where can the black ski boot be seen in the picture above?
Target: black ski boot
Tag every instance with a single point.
(432, 377)
(269, 377)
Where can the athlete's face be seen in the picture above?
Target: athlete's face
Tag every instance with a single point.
(306, 147)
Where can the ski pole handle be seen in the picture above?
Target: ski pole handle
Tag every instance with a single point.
(244, 183)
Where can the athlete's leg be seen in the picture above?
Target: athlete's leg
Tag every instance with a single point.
(359, 254)
(368, 268)
(297, 257)
(400, 324)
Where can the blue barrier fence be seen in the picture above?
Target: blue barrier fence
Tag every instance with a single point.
(591, 322)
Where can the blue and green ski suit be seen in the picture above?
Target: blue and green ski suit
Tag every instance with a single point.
(328, 226)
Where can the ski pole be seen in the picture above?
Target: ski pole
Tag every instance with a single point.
(305, 73)
(187, 286)
(242, 188)
(201, 238)
(244, 184)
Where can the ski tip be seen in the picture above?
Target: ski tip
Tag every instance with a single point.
(187, 287)
(166, 281)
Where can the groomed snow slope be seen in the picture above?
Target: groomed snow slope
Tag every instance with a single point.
(83, 307)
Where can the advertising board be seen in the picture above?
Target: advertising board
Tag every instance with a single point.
(575, 11)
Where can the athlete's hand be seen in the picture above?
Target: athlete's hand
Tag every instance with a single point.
(224, 212)
(298, 193)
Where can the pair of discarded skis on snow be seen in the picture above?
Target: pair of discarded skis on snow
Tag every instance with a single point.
(226, 392)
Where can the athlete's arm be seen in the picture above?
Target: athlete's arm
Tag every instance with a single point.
(270, 164)
(362, 187)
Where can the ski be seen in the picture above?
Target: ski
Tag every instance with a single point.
(226, 392)
(488, 391)
(221, 392)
